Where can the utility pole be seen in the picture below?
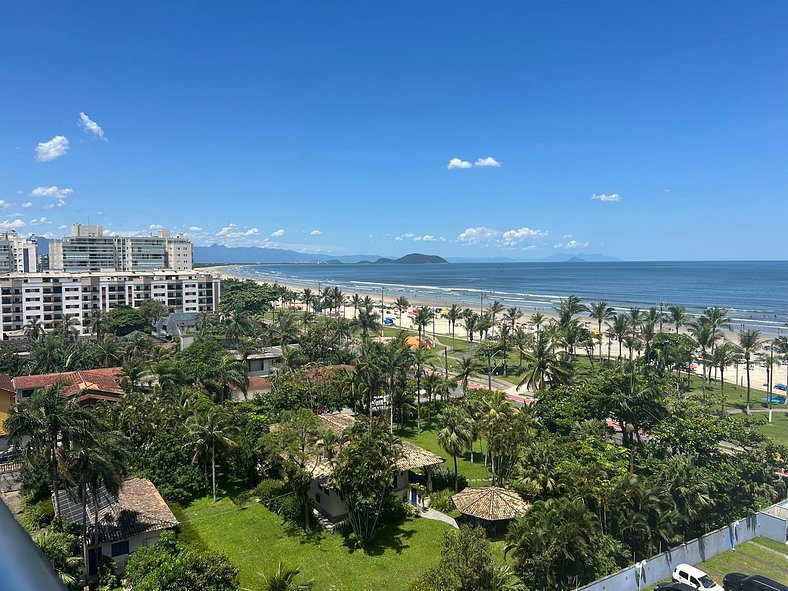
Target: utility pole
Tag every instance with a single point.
(381, 306)
(481, 303)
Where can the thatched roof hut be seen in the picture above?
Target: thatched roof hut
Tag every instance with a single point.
(490, 503)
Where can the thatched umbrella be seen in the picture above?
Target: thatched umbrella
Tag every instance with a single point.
(490, 503)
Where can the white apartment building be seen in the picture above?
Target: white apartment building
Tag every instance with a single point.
(47, 297)
(88, 250)
(17, 254)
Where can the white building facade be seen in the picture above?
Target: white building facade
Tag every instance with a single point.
(47, 297)
(17, 254)
(88, 250)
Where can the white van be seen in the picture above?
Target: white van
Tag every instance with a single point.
(694, 577)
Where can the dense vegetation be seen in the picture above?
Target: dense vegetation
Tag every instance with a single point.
(618, 457)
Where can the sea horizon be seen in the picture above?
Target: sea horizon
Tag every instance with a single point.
(754, 292)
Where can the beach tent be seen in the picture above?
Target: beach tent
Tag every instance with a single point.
(413, 343)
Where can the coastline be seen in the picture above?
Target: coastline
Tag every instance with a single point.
(442, 327)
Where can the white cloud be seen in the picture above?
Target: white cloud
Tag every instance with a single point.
(90, 126)
(489, 161)
(62, 227)
(458, 163)
(419, 238)
(195, 229)
(58, 203)
(575, 244)
(315, 233)
(12, 224)
(40, 221)
(477, 235)
(604, 197)
(54, 148)
(514, 237)
(155, 227)
(27, 204)
(5, 204)
(52, 191)
(231, 231)
(278, 233)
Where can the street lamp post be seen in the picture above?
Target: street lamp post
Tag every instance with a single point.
(381, 305)
(481, 303)
(769, 377)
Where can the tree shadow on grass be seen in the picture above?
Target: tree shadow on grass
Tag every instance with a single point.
(314, 537)
(390, 537)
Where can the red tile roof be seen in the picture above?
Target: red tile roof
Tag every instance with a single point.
(257, 384)
(95, 382)
(6, 382)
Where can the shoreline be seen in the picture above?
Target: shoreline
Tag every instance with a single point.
(443, 328)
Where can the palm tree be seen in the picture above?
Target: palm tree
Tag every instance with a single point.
(601, 312)
(619, 329)
(237, 325)
(52, 423)
(493, 310)
(355, 301)
(568, 308)
(421, 319)
(537, 319)
(367, 322)
(725, 355)
(227, 373)
(470, 320)
(544, 366)
(284, 579)
(100, 463)
(455, 435)
(701, 331)
(306, 297)
(209, 432)
(453, 314)
(34, 328)
(420, 356)
(678, 316)
(512, 316)
(468, 365)
(401, 304)
(750, 342)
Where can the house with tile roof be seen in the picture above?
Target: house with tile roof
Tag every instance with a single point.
(132, 520)
(326, 498)
(7, 400)
(89, 386)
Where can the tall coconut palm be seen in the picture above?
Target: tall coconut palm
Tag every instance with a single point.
(99, 464)
(367, 322)
(468, 365)
(420, 356)
(470, 319)
(455, 435)
(493, 310)
(601, 312)
(355, 301)
(619, 328)
(51, 423)
(453, 314)
(568, 308)
(537, 319)
(306, 297)
(701, 330)
(227, 373)
(34, 328)
(210, 432)
(401, 304)
(545, 366)
(678, 316)
(421, 319)
(512, 316)
(750, 342)
(725, 355)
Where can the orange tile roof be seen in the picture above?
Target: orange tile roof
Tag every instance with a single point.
(94, 381)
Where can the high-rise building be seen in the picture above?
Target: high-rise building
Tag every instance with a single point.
(47, 297)
(87, 249)
(17, 254)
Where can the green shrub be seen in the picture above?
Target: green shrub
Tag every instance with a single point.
(36, 515)
(394, 510)
(272, 493)
(443, 478)
(106, 574)
(441, 501)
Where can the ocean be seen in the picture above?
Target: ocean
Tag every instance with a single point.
(754, 292)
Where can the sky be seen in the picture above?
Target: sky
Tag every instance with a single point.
(645, 131)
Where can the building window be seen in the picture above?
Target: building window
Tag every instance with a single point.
(120, 548)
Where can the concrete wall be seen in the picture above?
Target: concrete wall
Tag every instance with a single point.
(135, 543)
(653, 570)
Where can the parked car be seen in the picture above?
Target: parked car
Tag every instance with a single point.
(695, 578)
(673, 586)
(740, 582)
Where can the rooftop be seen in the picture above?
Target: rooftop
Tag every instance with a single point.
(490, 503)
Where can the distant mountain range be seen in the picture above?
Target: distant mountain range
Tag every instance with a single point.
(217, 254)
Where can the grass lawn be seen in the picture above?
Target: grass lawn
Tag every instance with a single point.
(476, 472)
(760, 556)
(777, 430)
(256, 541)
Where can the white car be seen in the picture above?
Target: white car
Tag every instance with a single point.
(695, 578)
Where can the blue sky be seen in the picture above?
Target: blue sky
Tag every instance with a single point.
(331, 126)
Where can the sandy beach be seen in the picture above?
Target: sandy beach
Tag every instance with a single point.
(758, 371)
